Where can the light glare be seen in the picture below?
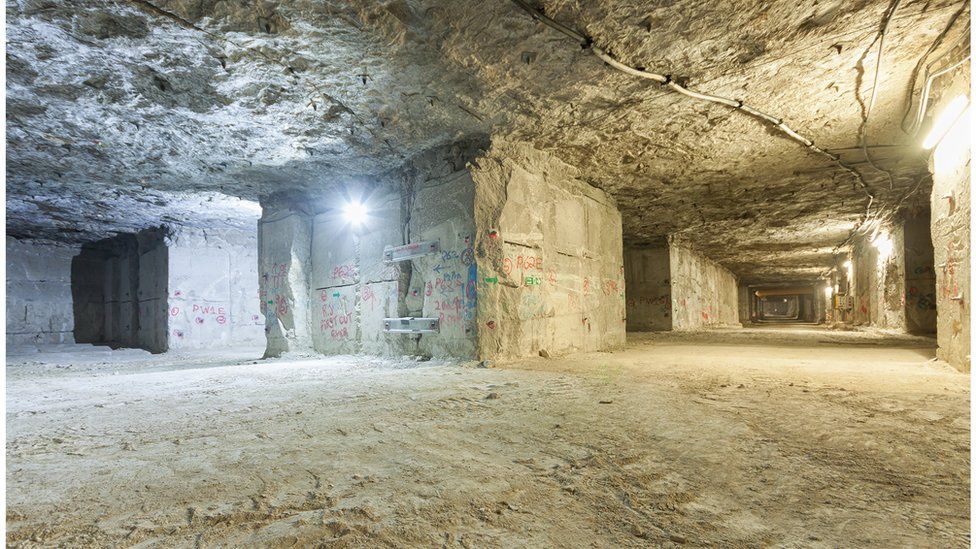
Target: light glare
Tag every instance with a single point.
(884, 245)
(354, 212)
(946, 119)
(953, 149)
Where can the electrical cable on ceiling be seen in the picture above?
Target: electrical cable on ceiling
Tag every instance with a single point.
(926, 89)
(886, 20)
(667, 81)
(909, 100)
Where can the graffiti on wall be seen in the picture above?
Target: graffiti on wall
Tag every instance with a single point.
(948, 286)
(921, 301)
(336, 315)
(344, 271)
(272, 297)
(661, 303)
(454, 289)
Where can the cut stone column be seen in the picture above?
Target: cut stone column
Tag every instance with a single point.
(950, 167)
(549, 254)
(284, 255)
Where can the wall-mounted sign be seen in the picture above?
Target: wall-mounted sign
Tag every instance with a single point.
(411, 325)
(410, 251)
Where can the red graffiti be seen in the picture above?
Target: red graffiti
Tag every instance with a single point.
(949, 288)
(507, 266)
(208, 309)
(221, 319)
(335, 321)
(446, 284)
(278, 276)
(610, 287)
(347, 270)
(281, 305)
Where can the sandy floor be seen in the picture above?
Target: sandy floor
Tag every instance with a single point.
(786, 437)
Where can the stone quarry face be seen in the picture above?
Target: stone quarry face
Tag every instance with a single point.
(126, 114)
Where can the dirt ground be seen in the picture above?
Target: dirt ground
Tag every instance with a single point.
(792, 438)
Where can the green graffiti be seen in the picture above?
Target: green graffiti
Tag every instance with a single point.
(491, 280)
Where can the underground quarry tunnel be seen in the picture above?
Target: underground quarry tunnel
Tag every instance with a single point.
(514, 273)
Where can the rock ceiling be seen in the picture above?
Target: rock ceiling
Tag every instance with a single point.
(141, 104)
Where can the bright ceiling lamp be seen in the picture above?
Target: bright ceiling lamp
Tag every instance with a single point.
(829, 291)
(355, 212)
(956, 108)
(884, 245)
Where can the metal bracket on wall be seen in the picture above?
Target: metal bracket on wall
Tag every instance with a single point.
(410, 251)
(411, 325)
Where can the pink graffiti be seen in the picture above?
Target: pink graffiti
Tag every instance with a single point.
(347, 270)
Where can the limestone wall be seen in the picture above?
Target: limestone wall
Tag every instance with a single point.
(327, 287)
(879, 280)
(353, 289)
(212, 279)
(745, 307)
(549, 257)
(647, 272)
(703, 293)
(39, 306)
(950, 165)
(161, 289)
(151, 266)
(920, 300)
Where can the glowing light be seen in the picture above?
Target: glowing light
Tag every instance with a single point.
(849, 267)
(953, 148)
(956, 108)
(884, 245)
(354, 212)
(829, 292)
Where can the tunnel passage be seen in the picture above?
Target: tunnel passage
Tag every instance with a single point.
(162, 289)
(787, 304)
(118, 286)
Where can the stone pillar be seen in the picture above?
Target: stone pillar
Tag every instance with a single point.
(950, 232)
(549, 253)
(284, 253)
